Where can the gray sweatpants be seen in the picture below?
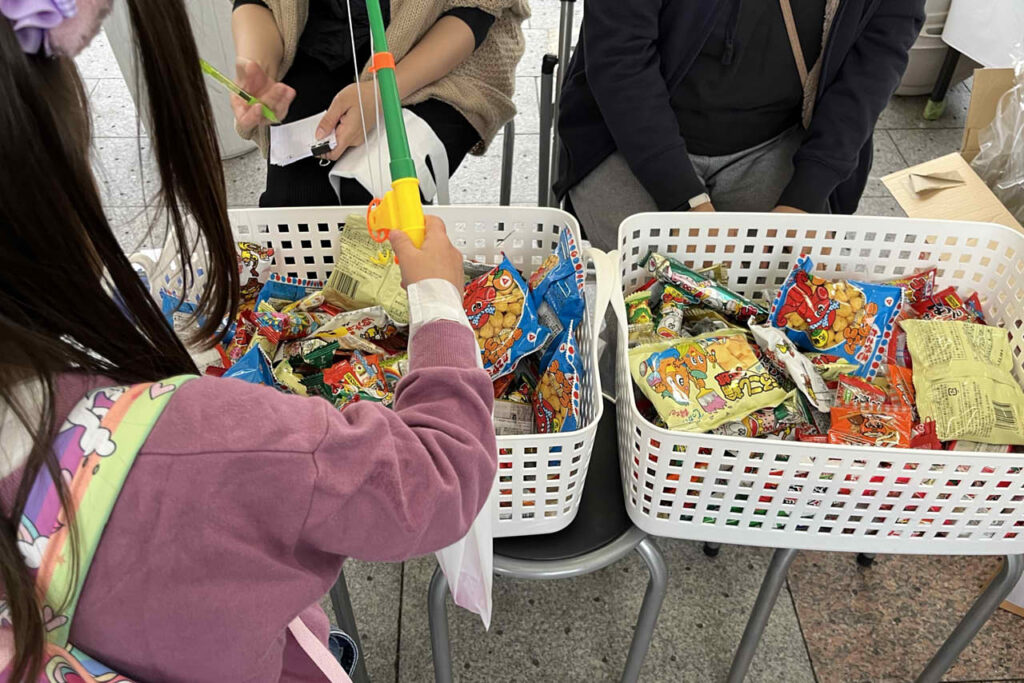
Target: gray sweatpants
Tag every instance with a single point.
(751, 180)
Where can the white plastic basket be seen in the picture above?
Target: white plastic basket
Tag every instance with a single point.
(787, 494)
(540, 477)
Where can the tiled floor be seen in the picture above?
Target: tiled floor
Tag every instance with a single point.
(834, 622)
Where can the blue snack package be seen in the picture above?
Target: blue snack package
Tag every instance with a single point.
(289, 289)
(503, 316)
(560, 281)
(253, 367)
(556, 401)
(179, 314)
(845, 318)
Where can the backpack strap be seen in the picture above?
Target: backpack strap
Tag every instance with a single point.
(96, 447)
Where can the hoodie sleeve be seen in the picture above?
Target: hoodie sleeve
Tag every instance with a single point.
(624, 75)
(846, 113)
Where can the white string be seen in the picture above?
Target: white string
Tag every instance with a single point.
(375, 189)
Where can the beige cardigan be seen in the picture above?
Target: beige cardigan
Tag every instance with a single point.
(480, 88)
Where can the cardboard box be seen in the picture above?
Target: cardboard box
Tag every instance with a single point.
(947, 187)
(989, 85)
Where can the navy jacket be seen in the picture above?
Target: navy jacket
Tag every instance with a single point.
(633, 53)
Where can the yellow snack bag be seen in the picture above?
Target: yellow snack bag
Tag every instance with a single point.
(699, 383)
(365, 274)
(964, 382)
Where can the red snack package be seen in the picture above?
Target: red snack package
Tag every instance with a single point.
(853, 391)
(888, 426)
(342, 375)
(923, 436)
(973, 305)
(944, 305)
(916, 287)
(810, 436)
(901, 388)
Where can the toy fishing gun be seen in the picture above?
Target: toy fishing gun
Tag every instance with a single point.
(400, 209)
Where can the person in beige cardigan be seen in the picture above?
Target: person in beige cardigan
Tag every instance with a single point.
(456, 62)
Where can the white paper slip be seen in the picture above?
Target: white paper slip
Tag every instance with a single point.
(291, 142)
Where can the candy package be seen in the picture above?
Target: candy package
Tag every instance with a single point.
(700, 383)
(280, 291)
(944, 305)
(640, 318)
(556, 401)
(973, 304)
(779, 352)
(916, 287)
(705, 290)
(717, 272)
(521, 386)
(859, 425)
(781, 421)
(560, 280)
(672, 309)
(254, 263)
(395, 367)
(698, 320)
(253, 367)
(961, 445)
(853, 391)
(503, 316)
(512, 418)
(830, 367)
(365, 274)
(964, 382)
(845, 318)
(279, 327)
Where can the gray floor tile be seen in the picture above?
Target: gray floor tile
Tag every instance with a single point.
(887, 160)
(880, 206)
(906, 112)
(116, 164)
(538, 43)
(478, 180)
(131, 225)
(580, 629)
(113, 110)
(97, 60)
(547, 14)
(375, 589)
(918, 146)
(245, 178)
(527, 106)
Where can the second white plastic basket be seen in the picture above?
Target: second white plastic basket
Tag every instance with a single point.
(786, 494)
(540, 477)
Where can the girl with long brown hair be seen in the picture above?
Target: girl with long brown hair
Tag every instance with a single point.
(242, 502)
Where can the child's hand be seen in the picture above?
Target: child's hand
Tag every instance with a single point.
(254, 80)
(437, 258)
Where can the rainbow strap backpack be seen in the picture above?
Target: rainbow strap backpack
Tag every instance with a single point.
(96, 447)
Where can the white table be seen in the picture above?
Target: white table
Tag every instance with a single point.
(986, 30)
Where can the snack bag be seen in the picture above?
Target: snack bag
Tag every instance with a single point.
(673, 306)
(512, 418)
(705, 290)
(471, 270)
(901, 388)
(886, 427)
(698, 320)
(717, 272)
(253, 367)
(279, 291)
(556, 401)
(944, 305)
(395, 367)
(522, 384)
(916, 287)
(701, 383)
(365, 274)
(640, 317)
(961, 445)
(560, 280)
(973, 304)
(779, 352)
(964, 382)
(279, 327)
(845, 318)
(289, 380)
(503, 316)
(782, 420)
(831, 367)
(854, 391)
(923, 435)
(254, 263)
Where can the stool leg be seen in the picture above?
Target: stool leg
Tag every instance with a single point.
(437, 611)
(342, 605)
(766, 597)
(936, 105)
(508, 155)
(653, 597)
(980, 611)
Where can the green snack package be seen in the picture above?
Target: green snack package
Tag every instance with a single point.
(964, 382)
(699, 383)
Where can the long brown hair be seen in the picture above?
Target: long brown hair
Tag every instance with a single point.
(69, 299)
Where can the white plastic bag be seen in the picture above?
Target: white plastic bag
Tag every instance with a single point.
(468, 565)
(1000, 163)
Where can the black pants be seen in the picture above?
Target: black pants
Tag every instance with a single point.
(305, 182)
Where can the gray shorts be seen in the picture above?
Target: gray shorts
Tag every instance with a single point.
(751, 180)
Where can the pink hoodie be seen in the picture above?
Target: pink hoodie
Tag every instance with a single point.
(244, 502)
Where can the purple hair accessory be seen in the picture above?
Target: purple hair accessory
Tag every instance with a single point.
(62, 27)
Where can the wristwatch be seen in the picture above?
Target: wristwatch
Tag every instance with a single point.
(702, 198)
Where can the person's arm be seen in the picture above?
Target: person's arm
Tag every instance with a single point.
(624, 76)
(847, 112)
(259, 49)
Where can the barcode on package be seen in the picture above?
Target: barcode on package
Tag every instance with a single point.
(1004, 415)
(346, 284)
